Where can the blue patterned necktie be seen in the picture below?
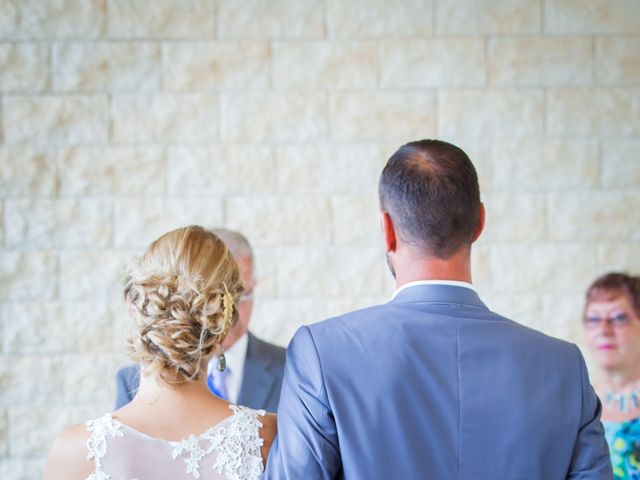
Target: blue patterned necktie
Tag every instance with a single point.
(217, 382)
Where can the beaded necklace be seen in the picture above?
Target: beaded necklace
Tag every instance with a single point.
(623, 402)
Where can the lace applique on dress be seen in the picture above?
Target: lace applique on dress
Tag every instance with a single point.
(191, 445)
(236, 443)
(97, 443)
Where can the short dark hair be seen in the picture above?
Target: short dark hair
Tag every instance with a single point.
(430, 190)
(612, 285)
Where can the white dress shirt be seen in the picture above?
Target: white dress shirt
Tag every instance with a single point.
(235, 357)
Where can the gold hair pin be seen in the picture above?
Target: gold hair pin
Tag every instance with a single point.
(227, 310)
(227, 315)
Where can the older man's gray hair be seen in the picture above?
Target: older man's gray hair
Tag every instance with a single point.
(235, 241)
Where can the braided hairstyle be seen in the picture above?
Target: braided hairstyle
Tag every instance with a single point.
(181, 296)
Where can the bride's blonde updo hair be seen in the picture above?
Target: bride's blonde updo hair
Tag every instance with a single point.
(182, 297)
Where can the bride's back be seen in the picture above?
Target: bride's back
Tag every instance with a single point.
(229, 450)
(182, 298)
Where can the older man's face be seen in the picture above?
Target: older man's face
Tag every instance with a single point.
(245, 304)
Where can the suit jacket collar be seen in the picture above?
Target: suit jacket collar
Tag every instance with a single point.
(439, 293)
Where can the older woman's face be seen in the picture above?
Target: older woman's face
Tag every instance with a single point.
(613, 332)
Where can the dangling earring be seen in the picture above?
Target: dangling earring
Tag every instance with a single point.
(222, 363)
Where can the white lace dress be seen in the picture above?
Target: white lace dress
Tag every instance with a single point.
(228, 451)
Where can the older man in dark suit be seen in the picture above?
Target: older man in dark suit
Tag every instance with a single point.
(253, 376)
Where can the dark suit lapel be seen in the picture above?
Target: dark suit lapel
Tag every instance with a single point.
(257, 380)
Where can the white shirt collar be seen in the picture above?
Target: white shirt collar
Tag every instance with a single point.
(450, 283)
(235, 357)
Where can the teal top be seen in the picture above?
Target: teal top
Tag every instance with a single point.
(624, 445)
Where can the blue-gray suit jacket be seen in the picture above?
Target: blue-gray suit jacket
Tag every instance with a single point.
(433, 385)
(261, 379)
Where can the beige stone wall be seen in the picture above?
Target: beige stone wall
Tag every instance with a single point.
(121, 119)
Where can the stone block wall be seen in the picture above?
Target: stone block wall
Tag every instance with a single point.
(122, 119)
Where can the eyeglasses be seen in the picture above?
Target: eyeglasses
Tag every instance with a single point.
(246, 297)
(619, 320)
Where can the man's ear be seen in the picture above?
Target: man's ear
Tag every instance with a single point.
(480, 227)
(388, 232)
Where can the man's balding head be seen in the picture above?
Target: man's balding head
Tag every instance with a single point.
(430, 190)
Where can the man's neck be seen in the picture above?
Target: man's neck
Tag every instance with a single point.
(235, 333)
(411, 266)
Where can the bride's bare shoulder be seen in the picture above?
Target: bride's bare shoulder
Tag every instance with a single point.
(68, 455)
